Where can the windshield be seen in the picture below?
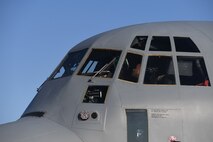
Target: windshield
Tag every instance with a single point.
(70, 64)
(101, 63)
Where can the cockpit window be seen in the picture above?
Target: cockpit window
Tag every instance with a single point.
(101, 63)
(139, 42)
(160, 67)
(160, 43)
(70, 64)
(131, 67)
(192, 71)
(159, 70)
(95, 94)
(185, 44)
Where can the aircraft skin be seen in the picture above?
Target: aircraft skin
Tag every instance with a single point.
(100, 103)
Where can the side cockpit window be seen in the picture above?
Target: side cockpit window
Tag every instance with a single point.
(131, 67)
(159, 70)
(70, 64)
(101, 63)
(192, 71)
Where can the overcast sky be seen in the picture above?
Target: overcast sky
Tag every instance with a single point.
(36, 34)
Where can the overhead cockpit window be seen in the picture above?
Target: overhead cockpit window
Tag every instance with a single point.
(139, 42)
(160, 43)
(192, 71)
(185, 44)
(70, 64)
(159, 70)
(131, 67)
(101, 63)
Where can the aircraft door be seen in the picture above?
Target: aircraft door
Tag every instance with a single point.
(137, 125)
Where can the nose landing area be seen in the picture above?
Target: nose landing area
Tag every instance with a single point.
(36, 130)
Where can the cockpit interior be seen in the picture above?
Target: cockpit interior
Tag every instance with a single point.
(161, 62)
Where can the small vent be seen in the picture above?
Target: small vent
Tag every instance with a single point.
(35, 114)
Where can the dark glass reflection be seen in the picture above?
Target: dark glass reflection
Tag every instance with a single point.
(185, 44)
(139, 42)
(70, 64)
(131, 67)
(192, 71)
(160, 43)
(159, 70)
(101, 63)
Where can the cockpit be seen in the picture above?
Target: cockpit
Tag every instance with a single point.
(69, 64)
(100, 63)
(153, 60)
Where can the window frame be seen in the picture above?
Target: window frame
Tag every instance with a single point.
(58, 68)
(174, 72)
(134, 42)
(194, 68)
(189, 43)
(82, 67)
(158, 36)
(140, 68)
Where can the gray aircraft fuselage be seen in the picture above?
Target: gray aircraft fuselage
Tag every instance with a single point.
(142, 83)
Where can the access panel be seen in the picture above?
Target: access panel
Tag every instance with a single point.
(137, 125)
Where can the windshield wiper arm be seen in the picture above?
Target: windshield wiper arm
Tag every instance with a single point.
(102, 69)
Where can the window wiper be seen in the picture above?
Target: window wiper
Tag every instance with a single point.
(102, 69)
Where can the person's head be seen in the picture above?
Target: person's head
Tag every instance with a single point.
(136, 71)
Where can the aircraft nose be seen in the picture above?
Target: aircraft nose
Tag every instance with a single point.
(32, 129)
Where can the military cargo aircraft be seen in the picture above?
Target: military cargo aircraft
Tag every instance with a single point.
(149, 82)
